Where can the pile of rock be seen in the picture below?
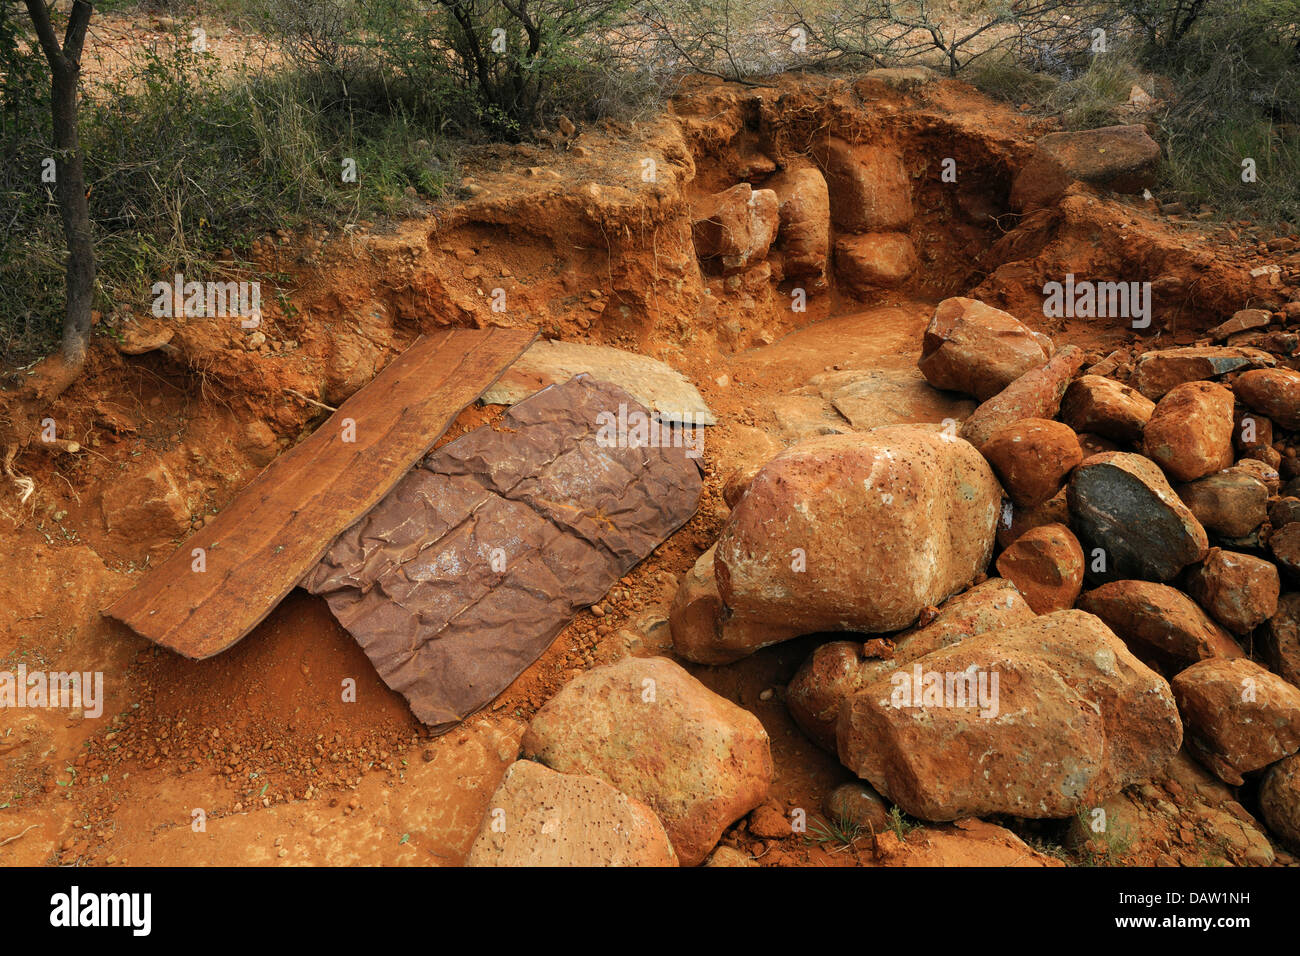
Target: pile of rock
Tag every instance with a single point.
(786, 224)
(1145, 538)
(1134, 630)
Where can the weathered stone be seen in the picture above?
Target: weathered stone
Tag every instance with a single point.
(1242, 321)
(1280, 639)
(729, 856)
(1075, 718)
(768, 822)
(1260, 471)
(859, 532)
(1156, 621)
(1239, 591)
(145, 506)
(969, 844)
(1231, 503)
(1036, 394)
(1283, 511)
(1032, 458)
(875, 260)
(1143, 821)
(1105, 407)
(1157, 372)
(1119, 158)
(830, 675)
(1091, 445)
(1252, 437)
(1274, 392)
(805, 213)
(736, 226)
(1279, 801)
(1122, 504)
(1016, 521)
(1239, 717)
(974, 348)
(901, 78)
(1285, 545)
(838, 670)
(872, 398)
(705, 630)
(872, 189)
(669, 394)
(1189, 434)
(858, 805)
(650, 729)
(554, 819)
(1046, 566)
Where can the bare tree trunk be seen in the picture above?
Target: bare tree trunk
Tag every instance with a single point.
(65, 72)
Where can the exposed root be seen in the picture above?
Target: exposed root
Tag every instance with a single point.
(19, 835)
(310, 401)
(26, 486)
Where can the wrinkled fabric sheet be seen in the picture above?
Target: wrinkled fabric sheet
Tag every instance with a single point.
(465, 573)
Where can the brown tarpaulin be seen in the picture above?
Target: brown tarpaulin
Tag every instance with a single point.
(276, 529)
(474, 562)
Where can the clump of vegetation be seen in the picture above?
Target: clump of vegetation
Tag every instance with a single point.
(1225, 76)
(901, 824)
(839, 830)
(185, 157)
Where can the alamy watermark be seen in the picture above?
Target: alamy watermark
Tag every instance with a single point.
(179, 299)
(58, 690)
(971, 687)
(633, 428)
(1085, 299)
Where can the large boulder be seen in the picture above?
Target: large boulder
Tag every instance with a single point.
(736, 226)
(1036, 394)
(1057, 716)
(859, 532)
(1240, 591)
(1046, 566)
(1032, 458)
(1122, 506)
(1274, 392)
(1189, 434)
(1239, 716)
(1119, 158)
(1158, 622)
(869, 186)
(803, 203)
(1104, 407)
(974, 348)
(1231, 503)
(654, 732)
(875, 260)
(538, 817)
(838, 670)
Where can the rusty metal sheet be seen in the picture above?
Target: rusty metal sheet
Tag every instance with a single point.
(279, 526)
(465, 573)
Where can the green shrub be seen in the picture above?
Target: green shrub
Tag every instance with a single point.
(182, 163)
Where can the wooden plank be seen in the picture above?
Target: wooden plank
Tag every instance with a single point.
(280, 526)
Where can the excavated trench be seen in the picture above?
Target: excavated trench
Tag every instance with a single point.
(614, 239)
